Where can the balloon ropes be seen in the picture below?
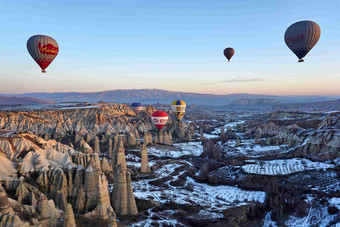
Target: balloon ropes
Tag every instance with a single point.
(43, 49)
(301, 37)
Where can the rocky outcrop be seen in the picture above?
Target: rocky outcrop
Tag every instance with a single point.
(118, 158)
(5, 205)
(109, 147)
(123, 199)
(112, 217)
(46, 208)
(85, 147)
(92, 173)
(12, 221)
(147, 138)
(62, 123)
(103, 199)
(145, 168)
(69, 220)
(131, 139)
(96, 145)
(161, 137)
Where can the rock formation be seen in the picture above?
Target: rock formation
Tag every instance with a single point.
(145, 168)
(69, 220)
(96, 145)
(112, 217)
(123, 199)
(118, 157)
(147, 138)
(92, 173)
(103, 199)
(109, 147)
(161, 137)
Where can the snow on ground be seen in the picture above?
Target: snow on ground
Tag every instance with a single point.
(317, 216)
(335, 202)
(210, 136)
(190, 148)
(158, 219)
(249, 149)
(284, 166)
(268, 221)
(214, 198)
(226, 126)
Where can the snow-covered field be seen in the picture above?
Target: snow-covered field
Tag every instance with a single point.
(214, 198)
(317, 216)
(284, 166)
(226, 126)
(190, 148)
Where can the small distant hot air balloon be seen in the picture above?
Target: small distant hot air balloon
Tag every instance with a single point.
(159, 119)
(43, 49)
(136, 107)
(228, 53)
(301, 37)
(178, 107)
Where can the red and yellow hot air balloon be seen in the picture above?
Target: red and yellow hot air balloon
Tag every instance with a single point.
(301, 37)
(43, 49)
(159, 119)
(228, 53)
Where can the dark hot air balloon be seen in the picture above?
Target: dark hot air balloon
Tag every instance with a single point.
(43, 49)
(159, 119)
(136, 107)
(301, 37)
(228, 53)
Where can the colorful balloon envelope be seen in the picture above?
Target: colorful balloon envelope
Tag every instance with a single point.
(178, 107)
(43, 49)
(301, 37)
(228, 53)
(159, 119)
(136, 107)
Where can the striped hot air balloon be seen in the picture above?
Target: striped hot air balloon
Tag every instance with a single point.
(178, 107)
(159, 119)
(228, 53)
(136, 107)
(301, 37)
(43, 49)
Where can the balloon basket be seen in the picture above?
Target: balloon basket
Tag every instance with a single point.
(301, 60)
(43, 71)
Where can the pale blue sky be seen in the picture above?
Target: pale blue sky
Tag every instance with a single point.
(169, 44)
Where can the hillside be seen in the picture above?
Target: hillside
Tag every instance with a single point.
(23, 101)
(149, 96)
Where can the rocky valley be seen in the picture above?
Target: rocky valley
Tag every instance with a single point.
(104, 165)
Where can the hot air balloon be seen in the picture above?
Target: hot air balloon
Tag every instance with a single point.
(159, 119)
(178, 107)
(43, 49)
(228, 53)
(301, 37)
(136, 107)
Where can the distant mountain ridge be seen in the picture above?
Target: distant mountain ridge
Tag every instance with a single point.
(22, 101)
(149, 96)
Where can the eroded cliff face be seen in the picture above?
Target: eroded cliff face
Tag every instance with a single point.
(56, 124)
(55, 164)
(315, 135)
(63, 178)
